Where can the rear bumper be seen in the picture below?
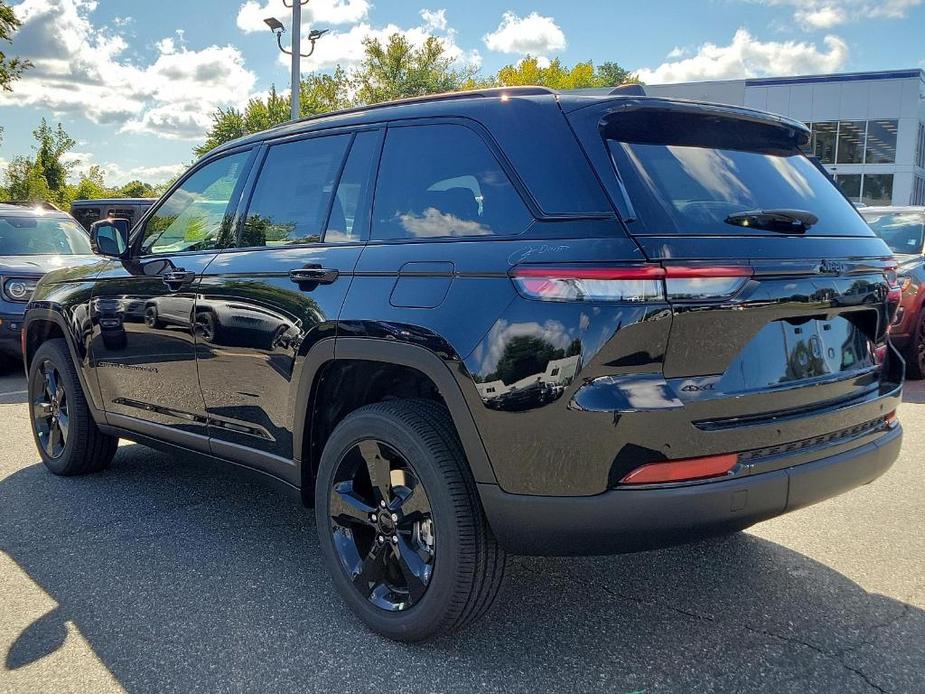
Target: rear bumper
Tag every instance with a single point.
(628, 520)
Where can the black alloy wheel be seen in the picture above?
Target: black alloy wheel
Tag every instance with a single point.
(50, 409)
(401, 527)
(65, 432)
(383, 525)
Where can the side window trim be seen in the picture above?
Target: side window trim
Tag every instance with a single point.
(138, 233)
(372, 178)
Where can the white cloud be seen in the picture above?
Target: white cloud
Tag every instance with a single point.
(534, 35)
(346, 47)
(825, 14)
(252, 13)
(81, 70)
(117, 175)
(746, 56)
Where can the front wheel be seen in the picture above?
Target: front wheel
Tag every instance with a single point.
(66, 435)
(400, 524)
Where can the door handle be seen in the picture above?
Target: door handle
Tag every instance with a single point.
(178, 279)
(313, 274)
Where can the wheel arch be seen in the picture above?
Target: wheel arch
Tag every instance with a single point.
(328, 354)
(42, 324)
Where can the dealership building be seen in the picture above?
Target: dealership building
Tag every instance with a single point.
(868, 127)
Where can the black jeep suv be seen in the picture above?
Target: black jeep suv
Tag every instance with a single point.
(510, 321)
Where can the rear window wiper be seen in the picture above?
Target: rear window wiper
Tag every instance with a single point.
(783, 221)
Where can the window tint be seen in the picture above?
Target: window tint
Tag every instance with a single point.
(904, 232)
(349, 213)
(442, 180)
(196, 216)
(293, 193)
(680, 189)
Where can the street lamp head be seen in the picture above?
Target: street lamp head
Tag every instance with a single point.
(316, 34)
(274, 24)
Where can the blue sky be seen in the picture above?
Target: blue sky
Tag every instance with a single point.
(134, 81)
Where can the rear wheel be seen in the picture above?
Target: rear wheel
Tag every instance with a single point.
(66, 435)
(915, 353)
(401, 527)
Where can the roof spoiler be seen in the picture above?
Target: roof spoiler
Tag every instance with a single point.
(628, 89)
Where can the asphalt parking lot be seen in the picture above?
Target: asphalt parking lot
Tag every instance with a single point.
(161, 575)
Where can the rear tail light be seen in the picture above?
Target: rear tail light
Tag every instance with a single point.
(628, 283)
(682, 470)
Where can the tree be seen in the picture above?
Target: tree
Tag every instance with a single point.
(133, 189)
(11, 69)
(91, 186)
(53, 144)
(399, 70)
(558, 76)
(25, 181)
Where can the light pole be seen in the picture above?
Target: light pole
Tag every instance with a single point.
(295, 51)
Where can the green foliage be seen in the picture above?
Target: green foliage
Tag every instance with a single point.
(558, 76)
(524, 356)
(11, 69)
(398, 70)
(44, 177)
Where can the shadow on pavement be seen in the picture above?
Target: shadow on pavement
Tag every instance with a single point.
(185, 578)
(914, 392)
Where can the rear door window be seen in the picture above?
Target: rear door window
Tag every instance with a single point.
(443, 181)
(293, 193)
(694, 175)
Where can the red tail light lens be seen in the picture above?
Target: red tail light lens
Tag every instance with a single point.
(682, 470)
(629, 283)
(636, 283)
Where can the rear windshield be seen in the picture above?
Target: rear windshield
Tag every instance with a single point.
(42, 236)
(903, 232)
(687, 175)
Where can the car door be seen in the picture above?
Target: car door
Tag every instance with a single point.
(261, 307)
(143, 342)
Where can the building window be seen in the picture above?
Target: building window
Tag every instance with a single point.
(825, 136)
(918, 191)
(850, 185)
(920, 149)
(878, 189)
(881, 142)
(851, 135)
(857, 142)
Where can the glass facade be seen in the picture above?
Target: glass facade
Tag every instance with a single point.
(855, 141)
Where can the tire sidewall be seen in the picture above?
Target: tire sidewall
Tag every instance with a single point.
(435, 608)
(55, 352)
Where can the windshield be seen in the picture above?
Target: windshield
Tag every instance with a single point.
(903, 232)
(688, 177)
(42, 236)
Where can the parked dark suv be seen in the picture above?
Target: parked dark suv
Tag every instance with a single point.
(510, 321)
(34, 239)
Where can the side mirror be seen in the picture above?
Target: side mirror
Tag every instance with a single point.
(109, 237)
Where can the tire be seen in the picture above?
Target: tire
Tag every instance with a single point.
(467, 565)
(81, 448)
(151, 319)
(915, 352)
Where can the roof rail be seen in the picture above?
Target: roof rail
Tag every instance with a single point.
(44, 204)
(443, 96)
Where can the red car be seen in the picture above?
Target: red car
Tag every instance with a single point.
(903, 229)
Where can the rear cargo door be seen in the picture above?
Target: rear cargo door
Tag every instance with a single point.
(780, 292)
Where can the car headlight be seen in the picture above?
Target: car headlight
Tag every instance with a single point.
(19, 289)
